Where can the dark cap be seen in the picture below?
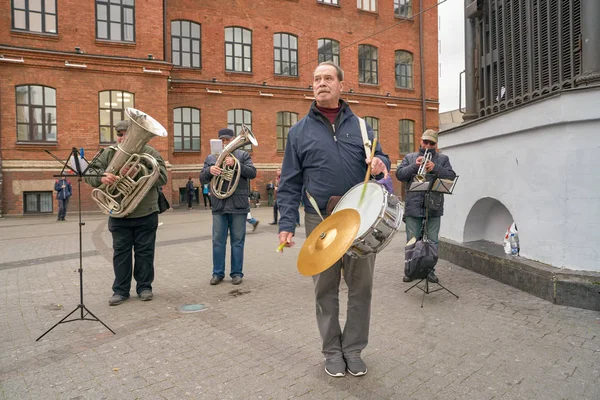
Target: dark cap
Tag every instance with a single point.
(225, 133)
(122, 126)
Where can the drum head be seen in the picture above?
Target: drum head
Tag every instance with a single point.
(371, 206)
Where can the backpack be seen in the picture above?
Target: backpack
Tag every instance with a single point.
(419, 259)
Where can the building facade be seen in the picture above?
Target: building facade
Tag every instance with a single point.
(196, 67)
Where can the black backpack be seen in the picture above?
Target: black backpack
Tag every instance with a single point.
(419, 259)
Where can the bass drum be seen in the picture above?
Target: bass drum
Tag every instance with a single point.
(380, 217)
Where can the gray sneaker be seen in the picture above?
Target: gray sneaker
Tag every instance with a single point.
(116, 299)
(356, 366)
(146, 295)
(335, 367)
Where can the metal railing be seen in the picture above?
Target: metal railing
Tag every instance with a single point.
(525, 49)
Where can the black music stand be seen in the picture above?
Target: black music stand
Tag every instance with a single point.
(74, 164)
(445, 186)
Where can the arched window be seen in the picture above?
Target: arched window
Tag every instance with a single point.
(186, 44)
(186, 129)
(285, 120)
(404, 69)
(36, 113)
(238, 49)
(374, 123)
(407, 136)
(367, 64)
(235, 119)
(112, 105)
(285, 47)
(329, 50)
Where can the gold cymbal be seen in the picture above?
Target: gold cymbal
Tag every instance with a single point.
(328, 242)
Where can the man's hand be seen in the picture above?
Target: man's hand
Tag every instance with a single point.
(229, 161)
(285, 239)
(108, 178)
(419, 160)
(429, 166)
(377, 166)
(215, 171)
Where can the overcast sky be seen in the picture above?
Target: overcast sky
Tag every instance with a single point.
(452, 55)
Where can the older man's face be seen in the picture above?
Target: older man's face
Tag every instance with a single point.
(121, 136)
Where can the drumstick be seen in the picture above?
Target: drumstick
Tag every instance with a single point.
(280, 247)
(362, 195)
(314, 204)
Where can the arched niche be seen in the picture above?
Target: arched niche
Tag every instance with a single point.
(488, 220)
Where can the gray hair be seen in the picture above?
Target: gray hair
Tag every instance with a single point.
(340, 71)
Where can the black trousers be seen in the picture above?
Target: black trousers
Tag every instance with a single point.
(190, 199)
(206, 199)
(133, 234)
(275, 213)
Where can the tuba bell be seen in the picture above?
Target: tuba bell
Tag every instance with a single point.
(142, 170)
(225, 184)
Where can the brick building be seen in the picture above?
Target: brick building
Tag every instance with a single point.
(68, 70)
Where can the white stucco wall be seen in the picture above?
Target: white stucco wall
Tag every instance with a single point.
(542, 162)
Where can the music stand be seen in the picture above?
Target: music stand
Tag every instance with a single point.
(439, 185)
(74, 164)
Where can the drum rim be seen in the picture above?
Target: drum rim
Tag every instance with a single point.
(380, 212)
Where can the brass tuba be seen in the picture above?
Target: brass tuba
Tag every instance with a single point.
(122, 197)
(225, 184)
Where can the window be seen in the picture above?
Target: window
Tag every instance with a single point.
(238, 49)
(367, 64)
(235, 119)
(36, 113)
(374, 123)
(34, 15)
(185, 44)
(186, 124)
(367, 5)
(285, 120)
(37, 202)
(112, 105)
(329, 50)
(335, 2)
(115, 20)
(286, 54)
(407, 136)
(404, 69)
(403, 8)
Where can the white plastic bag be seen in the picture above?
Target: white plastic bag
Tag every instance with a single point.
(511, 240)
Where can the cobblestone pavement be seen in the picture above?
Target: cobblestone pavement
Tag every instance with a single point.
(259, 340)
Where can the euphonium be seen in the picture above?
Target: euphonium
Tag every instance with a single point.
(421, 174)
(142, 170)
(225, 184)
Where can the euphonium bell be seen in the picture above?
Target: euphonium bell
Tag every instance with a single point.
(224, 185)
(121, 198)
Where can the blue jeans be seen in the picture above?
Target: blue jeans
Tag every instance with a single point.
(235, 225)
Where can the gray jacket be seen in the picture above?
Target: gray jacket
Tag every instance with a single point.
(415, 201)
(237, 203)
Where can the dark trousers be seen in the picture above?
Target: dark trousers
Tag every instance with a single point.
(138, 234)
(275, 211)
(190, 199)
(62, 208)
(206, 199)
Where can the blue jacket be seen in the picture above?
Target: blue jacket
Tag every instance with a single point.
(237, 203)
(322, 159)
(62, 194)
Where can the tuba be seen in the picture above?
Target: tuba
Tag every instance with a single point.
(225, 184)
(142, 170)
(421, 174)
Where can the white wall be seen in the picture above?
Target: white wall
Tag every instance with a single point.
(542, 162)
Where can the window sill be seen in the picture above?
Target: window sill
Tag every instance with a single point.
(180, 68)
(115, 43)
(35, 35)
(369, 85)
(401, 89)
(233, 73)
(329, 5)
(286, 77)
(25, 145)
(400, 17)
(175, 152)
(371, 13)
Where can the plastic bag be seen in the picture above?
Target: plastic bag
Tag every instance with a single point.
(511, 240)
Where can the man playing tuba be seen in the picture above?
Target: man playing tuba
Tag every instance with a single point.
(136, 231)
(229, 194)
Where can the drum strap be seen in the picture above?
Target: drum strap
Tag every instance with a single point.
(365, 137)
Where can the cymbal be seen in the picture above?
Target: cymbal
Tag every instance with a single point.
(328, 242)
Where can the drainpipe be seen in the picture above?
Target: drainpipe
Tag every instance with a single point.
(470, 103)
(590, 38)
(164, 30)
(1, 177)
(423, 105)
